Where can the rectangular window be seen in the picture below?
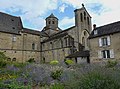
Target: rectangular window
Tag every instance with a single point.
(33, 46)
(104, 41)
(106, 53)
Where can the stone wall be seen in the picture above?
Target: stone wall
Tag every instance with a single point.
(20, 46)
(114, 45)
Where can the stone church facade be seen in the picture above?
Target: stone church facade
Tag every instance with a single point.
(52, 43)
(57, 44)
(79, 42)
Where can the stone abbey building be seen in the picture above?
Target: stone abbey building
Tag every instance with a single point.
(78, 42)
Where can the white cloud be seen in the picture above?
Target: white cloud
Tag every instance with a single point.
(66, 22)
(34, 11)
(74, 3)
(31, 10)
(110, 13)
(62, 8)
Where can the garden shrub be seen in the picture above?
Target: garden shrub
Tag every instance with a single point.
(111, 63)
(54, 62)
(69, 62)
(57, 86)
(56, 74)
(3, 64)
(2, 56)
(19, 65)
(96, 80)
(31, 60)
(2, 60)
(15, 85)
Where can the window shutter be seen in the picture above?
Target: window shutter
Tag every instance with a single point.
(99, 54)
(108, 40)
(111, 53)
(100, 42)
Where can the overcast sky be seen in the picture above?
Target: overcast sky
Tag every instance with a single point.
(34, 12)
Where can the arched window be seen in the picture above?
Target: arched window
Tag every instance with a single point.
(81, 17)
(53, 22)
(88, 20)
(33, 46)
(84, 16)
(84, 33)
(8, 59)
(83, 41)
(49, 22)
(14, 59)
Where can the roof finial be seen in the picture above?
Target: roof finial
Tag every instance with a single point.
(82, 5)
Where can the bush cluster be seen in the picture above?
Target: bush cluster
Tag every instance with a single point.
(3, 58)
(56, 74)
(69, 62)
(54, 62)
(31, 60)
(111, 63)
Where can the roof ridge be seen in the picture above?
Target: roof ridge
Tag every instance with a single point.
(9, 14)
(108, 24)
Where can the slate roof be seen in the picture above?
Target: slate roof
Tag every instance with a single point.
(79, 54)
(55, 37)
(10, 24)
(106, 30)
(9, 30)
(13, 25)
(52, 16)
(30, 31)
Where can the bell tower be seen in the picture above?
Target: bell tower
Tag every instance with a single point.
(52, 22)
(84, 26)
(83, 19)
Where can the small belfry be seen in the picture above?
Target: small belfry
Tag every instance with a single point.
(52, 22)
(51, 25)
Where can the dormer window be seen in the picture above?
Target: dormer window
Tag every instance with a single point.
(95, 32)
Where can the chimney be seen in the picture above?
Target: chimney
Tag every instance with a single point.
(94, 26)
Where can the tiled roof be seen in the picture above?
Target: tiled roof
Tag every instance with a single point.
(58, 35)
(30, 31)
(52, 16)
(106, 30)
(55, 37)
(79, 54)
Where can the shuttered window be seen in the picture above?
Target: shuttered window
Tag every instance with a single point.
(111, 53)
(106, 54)
(100, 42)
(99, 54)
(104, 41)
